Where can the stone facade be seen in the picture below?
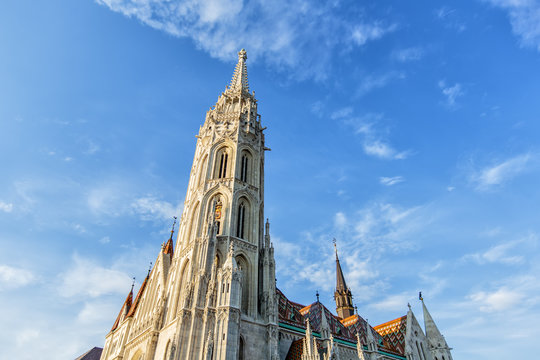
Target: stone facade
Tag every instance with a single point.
(214, 296)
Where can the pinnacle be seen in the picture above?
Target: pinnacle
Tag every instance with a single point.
(240, 80)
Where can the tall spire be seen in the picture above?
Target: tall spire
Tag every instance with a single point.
(342, 295)
(240, 80)
(436, 340)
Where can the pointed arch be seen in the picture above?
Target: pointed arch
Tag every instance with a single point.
(243, 218)
(244, 265)
(193, 224)
(222, 162)
(241, 348)
(201, 177)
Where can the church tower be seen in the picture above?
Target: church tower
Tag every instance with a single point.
(202, 300)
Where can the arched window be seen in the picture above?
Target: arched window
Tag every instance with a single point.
(222, 158)
(244, 167)
(241, 219)
(243, 265)
(202, 173)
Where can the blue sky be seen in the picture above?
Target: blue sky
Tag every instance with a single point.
(407, 130)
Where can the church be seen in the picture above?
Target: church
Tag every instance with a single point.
(212, 295)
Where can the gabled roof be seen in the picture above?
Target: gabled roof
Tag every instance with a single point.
(393, 333)
(138, 298)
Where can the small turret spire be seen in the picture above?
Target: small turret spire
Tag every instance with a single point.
(168, 248)
(240, 80)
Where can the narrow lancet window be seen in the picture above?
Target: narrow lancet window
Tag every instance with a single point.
(244, 168)
(223, 165)
(241, 220)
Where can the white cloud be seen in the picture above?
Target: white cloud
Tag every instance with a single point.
(498, 174)
(371, 82)
(6, 207)
(340, 220)
(373, 142)
(105, 240)
(394, 302)
(26, 336)
(87, 278)
(525, 19)
(341, 113)
(289, 34)
(97, 312)
(497, 300)
(408, 54)
(451, 93)
(12, 277)
(150, 208)
(363, 33)
(383, 150)
(502, 253)
(389, 181)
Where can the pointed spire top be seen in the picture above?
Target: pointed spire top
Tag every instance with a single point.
(433, 334)
(240, 80)
(340, 279)
(174, 223)
(149, 270)
(168, 248)
(317, 295)
(132, 285)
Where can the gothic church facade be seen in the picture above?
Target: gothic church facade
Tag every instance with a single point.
(213, 295)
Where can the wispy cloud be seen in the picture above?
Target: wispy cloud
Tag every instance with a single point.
(496, 175)
(525, 19)
(408, 54)
(13, 277)
(501, 253)
(451, 93)
(150, 208)
(87, 278)
(365, 32)
(373, 141)
(373, 82)
(6, 207)
(295, 35)
(389, 181)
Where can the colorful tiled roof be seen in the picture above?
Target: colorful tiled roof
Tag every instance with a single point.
(314, 312)
(393, 333)
(357, 325)
(289, 311)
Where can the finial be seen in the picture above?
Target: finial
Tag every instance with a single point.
(356, 309)
(242, 54)
(174, 223)
(149, 269)
(335, 247)
(317, 295)
(409, 305)
(420, 296)
(133, 284)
